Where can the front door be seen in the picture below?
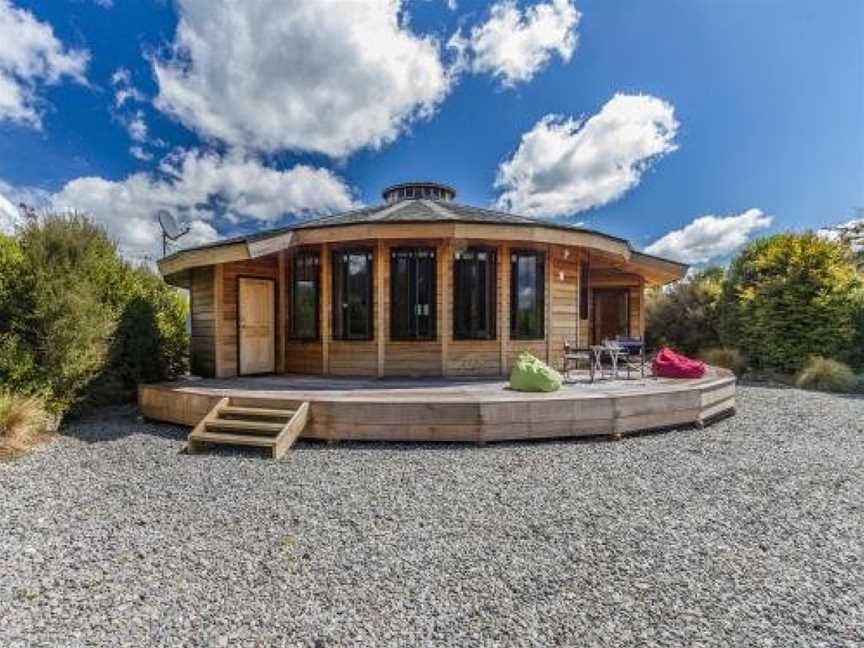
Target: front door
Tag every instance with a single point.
(611, 313)
(257, 325)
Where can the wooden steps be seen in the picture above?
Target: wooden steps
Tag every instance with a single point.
(227, 424)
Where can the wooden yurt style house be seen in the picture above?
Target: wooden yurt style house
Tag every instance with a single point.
(419, 285)
(294, 328)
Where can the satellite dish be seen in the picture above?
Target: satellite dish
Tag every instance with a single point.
(171, 229)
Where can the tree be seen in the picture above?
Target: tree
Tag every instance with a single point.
(789, 297)
(77, 322)
(684, 315)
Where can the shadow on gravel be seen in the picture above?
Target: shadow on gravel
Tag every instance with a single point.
(117, 422)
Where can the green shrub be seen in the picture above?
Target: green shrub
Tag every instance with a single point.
(825, 374)
(788, 297)
(23, 420)
(726, 358)
(684, 315)
(77, 323)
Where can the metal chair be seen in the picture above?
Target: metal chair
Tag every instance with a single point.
(573, 356)
(633, 355)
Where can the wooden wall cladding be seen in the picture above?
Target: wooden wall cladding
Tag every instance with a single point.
(202, 344)
(353, 358)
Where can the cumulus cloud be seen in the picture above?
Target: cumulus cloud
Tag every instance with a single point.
(205, 190)
(30, 55)
(330, 76)
(564, 165)
(514, 45)
(710, 237)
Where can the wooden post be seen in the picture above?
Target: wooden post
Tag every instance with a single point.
(380, 286)
(445, 265)
(326, 297)
(547, 330)
(280, 319)
(577, 343)
(642, 307)
(503, 319)
(218, 360)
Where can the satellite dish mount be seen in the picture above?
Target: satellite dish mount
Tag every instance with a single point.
(171, 230)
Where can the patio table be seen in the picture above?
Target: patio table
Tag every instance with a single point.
(613, 351)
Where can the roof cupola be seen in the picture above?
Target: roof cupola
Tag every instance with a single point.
(414, 190)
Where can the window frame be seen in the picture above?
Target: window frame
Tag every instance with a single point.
(293, 335)
(540, 291)
(432, 264)
(369, 253)
(490, 298)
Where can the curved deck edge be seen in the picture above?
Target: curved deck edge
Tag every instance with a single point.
(465, 416)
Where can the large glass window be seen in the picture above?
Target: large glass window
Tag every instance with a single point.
(474, 285)
(412, 294)
(304, 296)
(352, 294)
(527, 293)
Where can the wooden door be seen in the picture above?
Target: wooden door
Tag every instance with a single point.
(257, 310)
(611, 313)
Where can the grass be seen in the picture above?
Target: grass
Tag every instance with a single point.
(726, 358)
(23, 423)
(824, 374)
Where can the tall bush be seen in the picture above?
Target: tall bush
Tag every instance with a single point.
(789, 297)
(684, 315)
(77, 322)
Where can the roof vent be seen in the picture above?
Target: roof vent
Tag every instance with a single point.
(414, 190)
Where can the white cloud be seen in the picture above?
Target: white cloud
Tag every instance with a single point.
(710, 237)
(328, 76)
(204, 190)
(139, 153)
(124, 90)
(514, 45)
(851, 231)
(10, 216)
(137, 127)
(31, 55)
(564, 165)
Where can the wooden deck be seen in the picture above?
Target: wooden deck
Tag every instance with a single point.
(436, 409)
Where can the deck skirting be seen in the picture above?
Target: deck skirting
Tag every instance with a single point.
(441, 410)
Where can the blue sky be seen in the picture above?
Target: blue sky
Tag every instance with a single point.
(732, 119)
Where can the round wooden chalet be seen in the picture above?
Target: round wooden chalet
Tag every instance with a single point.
(419, 285)
(293, 328)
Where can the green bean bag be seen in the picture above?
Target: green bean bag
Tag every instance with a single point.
(532, 375)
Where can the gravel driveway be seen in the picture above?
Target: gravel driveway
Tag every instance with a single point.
(747, 533)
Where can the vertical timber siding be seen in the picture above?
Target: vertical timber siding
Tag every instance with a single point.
(202, 344)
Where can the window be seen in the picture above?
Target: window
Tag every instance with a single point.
(352, 294)
(474, 285)
(527, 288)
(304, 296)
(412, 294)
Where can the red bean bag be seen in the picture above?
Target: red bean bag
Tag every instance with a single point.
(668, 364)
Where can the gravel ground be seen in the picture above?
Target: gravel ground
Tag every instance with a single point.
(747, 533)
